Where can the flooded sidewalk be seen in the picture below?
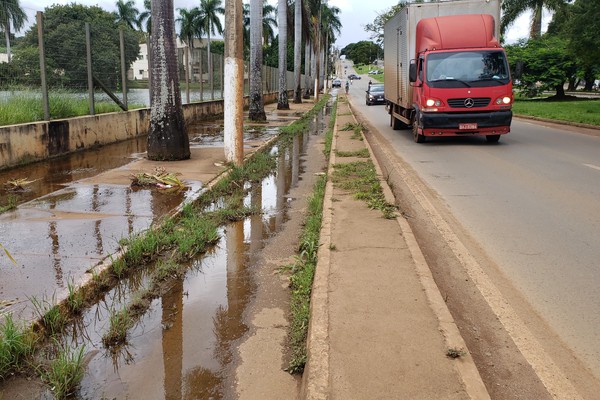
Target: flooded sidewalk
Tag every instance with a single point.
(77, 208)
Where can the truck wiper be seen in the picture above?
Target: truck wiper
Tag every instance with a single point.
(451, 80)
(489, 80)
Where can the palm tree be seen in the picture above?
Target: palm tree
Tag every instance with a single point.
(512, 9)
(297, 51)
(209, 23)
(127, 14)
(330, 26)
(188, 27)
(146, 15)
(282, 99)
(256, 111)
(11, 13)
(167, 137)
(269, 23)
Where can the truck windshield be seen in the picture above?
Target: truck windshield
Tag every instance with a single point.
(467, 69)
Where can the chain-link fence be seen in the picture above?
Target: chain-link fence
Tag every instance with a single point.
(75, 68)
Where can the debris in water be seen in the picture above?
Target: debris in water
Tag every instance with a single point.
(160, 178)
(17, 185)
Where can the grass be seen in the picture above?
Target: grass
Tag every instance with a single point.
(356, 129)
(11, 203)
(364, 69)
(50, 315)
(120, 323)
(578, 111)
(27, 107)
(303, 272)
(362, 153)
(360, 178)
(16, 345)
(65, 372)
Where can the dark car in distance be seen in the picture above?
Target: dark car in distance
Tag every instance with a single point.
(353, 76)
(375, 94)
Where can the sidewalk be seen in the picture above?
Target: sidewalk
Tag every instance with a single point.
(379, 327)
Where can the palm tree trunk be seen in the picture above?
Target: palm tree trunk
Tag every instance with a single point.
(167, 138)
(7, 36)
(256, 108)
(297, 51)
(210, 68)
(307, 69)
(282, 99)
(536, 23)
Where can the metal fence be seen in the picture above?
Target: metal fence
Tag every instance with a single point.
(70, 61)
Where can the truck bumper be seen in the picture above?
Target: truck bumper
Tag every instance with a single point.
(449, 124)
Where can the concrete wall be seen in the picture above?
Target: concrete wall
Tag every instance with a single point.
(25, 143)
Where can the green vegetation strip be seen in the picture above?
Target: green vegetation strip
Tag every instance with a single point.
(23, 108)
(580, 111)
(303, 270)
(360, 178)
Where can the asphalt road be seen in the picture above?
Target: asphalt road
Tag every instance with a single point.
(532, 202)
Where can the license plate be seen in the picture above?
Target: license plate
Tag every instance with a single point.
(467, 126)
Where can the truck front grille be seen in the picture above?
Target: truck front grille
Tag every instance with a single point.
(469, 102)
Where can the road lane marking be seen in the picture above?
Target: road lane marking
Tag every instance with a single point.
(592, 166)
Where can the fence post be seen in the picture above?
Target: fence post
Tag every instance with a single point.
(123, 70)
(45, 104)
(88, 44)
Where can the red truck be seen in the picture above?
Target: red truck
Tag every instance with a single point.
(445, 72)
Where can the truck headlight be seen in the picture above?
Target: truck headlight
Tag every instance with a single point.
(503, 100)
(433, 102)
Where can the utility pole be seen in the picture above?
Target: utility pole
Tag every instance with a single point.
(233, 93)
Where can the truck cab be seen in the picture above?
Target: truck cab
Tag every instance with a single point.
(460, 89)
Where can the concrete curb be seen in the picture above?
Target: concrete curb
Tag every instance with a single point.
(315, 379)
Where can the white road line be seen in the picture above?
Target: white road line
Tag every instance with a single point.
(592, 166)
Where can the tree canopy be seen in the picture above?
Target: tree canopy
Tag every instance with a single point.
(65, 45)
(363, 52)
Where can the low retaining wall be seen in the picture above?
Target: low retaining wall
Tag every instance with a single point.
(26, 143)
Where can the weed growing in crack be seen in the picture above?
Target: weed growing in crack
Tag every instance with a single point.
(455, 353)
(49, 314)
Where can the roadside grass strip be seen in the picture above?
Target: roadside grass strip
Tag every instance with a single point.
(360, 178)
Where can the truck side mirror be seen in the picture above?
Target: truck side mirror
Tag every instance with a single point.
(412, 72)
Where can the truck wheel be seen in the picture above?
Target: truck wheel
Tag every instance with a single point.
(396, 124)
(492, 138)
(418, 138)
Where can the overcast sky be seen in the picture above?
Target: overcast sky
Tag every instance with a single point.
(354, 15)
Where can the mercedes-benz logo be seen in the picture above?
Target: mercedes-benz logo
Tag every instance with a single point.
(469, 102)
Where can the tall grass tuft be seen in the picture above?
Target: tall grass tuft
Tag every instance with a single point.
(15, 346)
(65, 372)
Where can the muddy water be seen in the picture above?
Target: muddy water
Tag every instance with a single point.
(182, 346)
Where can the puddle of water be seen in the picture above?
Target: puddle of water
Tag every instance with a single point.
(211, 134)
(51, 175)
(181, 347)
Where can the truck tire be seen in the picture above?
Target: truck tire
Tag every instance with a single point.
(492, 138)
(418, 138)
(396, 124)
